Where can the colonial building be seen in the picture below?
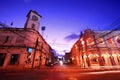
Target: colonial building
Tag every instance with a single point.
(97, 48)
(22, 48)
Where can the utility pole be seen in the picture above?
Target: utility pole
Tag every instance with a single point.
(36, 44)
(40, 61)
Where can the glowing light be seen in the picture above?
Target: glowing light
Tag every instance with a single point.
(85, 56)
(61, 63)
(114, 55)
(72, 78)
(102, 55)
(81, 39)
(108, 55)
(72, 58)
(82, 42)
(97, 55)
(104, 72)
(119, 54)
(89, 55)
(29, 50)
(76, 46)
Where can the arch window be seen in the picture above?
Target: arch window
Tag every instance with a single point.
(100, 40)
(110, 40)
(90, 41)
(93, 58)
(118, 39)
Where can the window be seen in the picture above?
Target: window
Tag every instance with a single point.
(94, 59)
(2, 58)
(14, 59)
(103, 59)
(100, 40)
(2, 39)
(34, 18)
(118, 58)
(33, 26)
(6, 40)
(110, 41)
(90, 41)
(118, 39)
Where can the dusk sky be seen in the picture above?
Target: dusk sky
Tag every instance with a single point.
(64, 19)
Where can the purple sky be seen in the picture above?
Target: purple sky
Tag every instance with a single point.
(64, 19)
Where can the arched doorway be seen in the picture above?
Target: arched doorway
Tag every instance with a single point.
(106, 59)
(93, 59)
(116, 58)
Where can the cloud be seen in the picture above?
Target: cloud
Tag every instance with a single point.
(72, 37)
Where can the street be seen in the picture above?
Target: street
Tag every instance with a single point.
(61, 73)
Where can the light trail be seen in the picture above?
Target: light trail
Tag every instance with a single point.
(102, 72)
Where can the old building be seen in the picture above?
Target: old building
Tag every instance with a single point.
(97, 48)
(23, 48)
(67, 58)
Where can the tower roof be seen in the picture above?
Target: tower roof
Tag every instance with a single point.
(33, 12)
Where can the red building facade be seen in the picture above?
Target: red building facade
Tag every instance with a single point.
(24, 48)
(97, 48)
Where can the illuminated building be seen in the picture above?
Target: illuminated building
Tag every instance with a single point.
(67, 58)
(23, 48)
(97, 48)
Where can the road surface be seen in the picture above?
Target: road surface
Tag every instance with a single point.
(60, 73)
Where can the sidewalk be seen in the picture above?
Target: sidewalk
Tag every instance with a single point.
(105, 68)
(73, 68)
(70, 68)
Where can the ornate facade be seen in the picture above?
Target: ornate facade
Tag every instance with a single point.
(97, 48)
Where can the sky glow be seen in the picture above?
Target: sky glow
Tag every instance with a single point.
(63, 19)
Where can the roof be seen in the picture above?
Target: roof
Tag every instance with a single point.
(33, 12)
(107, 32)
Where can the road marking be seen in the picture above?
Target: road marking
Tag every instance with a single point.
(102, 72)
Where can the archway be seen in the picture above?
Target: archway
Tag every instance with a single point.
(106, 59)
(116, 58)
(93, 59)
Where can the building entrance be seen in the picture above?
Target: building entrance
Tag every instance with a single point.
(2, 58)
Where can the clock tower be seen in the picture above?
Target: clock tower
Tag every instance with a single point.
(33, 20)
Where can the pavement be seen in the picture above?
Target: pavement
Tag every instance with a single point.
(73, 68)
(68, 68)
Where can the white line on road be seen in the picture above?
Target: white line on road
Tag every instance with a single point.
(103, 72)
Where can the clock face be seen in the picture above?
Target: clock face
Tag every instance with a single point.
(35, 18)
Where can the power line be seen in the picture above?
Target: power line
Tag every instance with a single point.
(4, 26)
(59, 44)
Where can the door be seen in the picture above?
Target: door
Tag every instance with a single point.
(2, 58)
